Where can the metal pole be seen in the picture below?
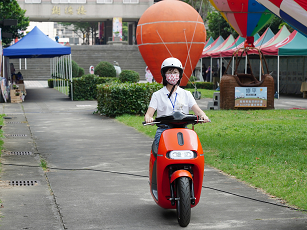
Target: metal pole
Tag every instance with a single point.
(201, 70)
(71, 83)
(54, 71)
(260, 69)
(57, 70)
(211, 67)
(62, 70)
(25, 63)
(66, 74)
(20, 63)
(278, 77)
(221, 69)
(233, 66)
(246, 64)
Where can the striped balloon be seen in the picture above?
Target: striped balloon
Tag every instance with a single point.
(291, 11)
(171, 28)
(247, 17)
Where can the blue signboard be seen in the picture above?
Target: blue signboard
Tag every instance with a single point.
(251, 96)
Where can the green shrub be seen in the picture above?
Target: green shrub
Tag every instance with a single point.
(129, 76)
(193, 78)
(200, 85)
(50, 83)
(81, 72)
(125, 98)
(75, 69)
(85, 87)
(105, 69)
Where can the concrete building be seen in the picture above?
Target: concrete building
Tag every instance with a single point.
(109, 15)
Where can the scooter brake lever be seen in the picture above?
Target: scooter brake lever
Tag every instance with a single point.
(151, 123)
(203, 120)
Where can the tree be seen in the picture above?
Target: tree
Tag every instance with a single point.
(218, 26)
(275, 24)
(84, 28)
(10, 9)
(125, 31)
(201, 6)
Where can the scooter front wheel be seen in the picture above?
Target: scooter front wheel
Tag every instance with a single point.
(183, 201)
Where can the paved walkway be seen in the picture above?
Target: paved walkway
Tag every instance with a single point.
(98, 176)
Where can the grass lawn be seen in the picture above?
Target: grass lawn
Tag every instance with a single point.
(265, 148)
(63, 89)
(205, 93)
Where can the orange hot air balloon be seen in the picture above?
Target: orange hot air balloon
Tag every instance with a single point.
(171, 28)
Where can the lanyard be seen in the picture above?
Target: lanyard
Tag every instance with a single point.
(174, 101)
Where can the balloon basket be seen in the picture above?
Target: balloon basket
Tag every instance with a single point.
(243, 90)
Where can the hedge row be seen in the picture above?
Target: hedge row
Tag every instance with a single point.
(200, 85)
(125, 98)
(57, 82)
(85, 87)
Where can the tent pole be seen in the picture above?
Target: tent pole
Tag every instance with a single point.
(57, 71)
(62, 69)
(278, 77)
(60, 73)
(25, 63)
(71, 84)
(54, 72)
(201, 70)
(19, 63)
(211, 67)
(221, 69)
(66, 74)
(50, 68)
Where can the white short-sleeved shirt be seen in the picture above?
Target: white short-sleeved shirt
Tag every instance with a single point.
(180, 100)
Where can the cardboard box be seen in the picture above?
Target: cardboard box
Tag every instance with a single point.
(21, 87)
(14, 98)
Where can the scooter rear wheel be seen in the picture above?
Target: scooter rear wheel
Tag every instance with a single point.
(184, 201)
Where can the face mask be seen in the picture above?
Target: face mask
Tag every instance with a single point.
(172, 78)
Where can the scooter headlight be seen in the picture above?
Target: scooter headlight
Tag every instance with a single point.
(181, 154)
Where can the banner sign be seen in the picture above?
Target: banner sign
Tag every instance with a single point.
(117, 29)
(251, 97)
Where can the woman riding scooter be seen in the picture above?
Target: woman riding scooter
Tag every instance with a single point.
(171, 97)
(176, 164)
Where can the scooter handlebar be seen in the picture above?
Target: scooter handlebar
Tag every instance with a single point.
(158, 122)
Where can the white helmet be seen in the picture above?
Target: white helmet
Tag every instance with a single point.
(171, 63)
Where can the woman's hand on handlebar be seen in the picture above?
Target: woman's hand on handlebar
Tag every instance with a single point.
(148, 119)
(204, 119)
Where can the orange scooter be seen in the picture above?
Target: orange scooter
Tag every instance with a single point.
(176, 167)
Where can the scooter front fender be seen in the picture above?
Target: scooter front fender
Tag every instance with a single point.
(180, 173)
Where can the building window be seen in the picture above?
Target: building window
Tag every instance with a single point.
(33, 1)
(130, 1)
(68, 1)
(105, 1)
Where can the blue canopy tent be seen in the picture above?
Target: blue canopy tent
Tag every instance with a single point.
(36, 44)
